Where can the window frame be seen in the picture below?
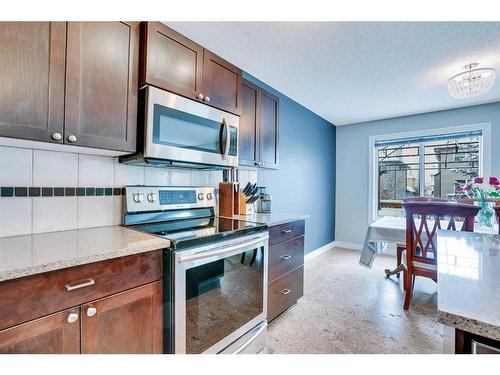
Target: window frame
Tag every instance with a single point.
(484, 156)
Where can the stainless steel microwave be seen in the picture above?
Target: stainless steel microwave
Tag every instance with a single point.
(179, 132)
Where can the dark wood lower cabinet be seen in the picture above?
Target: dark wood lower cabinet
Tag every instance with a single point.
(126, 323)
(469, 343)
(113, 306)
(58, 333)
(285, 267)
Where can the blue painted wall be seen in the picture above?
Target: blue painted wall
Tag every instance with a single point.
(305, 180)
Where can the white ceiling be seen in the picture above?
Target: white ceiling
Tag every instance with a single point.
(350, 72)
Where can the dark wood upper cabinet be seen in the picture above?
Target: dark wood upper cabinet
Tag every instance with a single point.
(170, 60)
(248, 152)
(127, 323)
(268, 130)
(258, 127)
(221, 83)
(58, 333)
(32, 58)
(102, 84)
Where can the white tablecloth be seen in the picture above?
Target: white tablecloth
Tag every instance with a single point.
(392, 230)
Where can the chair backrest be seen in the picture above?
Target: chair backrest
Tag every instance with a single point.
(425, 199)
(497, 210)
(423, 219)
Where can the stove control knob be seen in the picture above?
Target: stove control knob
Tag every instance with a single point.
(209, 196)
(200, 196)
(151, 197)
(138, 197)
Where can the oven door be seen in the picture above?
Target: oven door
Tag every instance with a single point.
(183, 130)
(220, 294)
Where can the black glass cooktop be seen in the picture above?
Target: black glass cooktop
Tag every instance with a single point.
(192, 232)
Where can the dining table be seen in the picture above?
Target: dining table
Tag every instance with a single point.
(391, 230)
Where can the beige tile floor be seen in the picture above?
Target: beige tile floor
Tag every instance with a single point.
(347, 308)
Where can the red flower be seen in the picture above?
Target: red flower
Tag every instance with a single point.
(479, 180)
(458, 189)
(467, 187)
(494, 181)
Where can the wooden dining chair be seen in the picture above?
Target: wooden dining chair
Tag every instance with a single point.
(401, 247)
(497, 211)
(423, 219)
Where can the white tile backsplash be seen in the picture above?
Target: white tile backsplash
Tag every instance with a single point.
(15, 216)
(54, 213)
(15, 166)
(128, 175)
(95, 211)
(54, 168)
(200, 178)
(26, 167)
(156, 176)
(180, 177)
(96, 171)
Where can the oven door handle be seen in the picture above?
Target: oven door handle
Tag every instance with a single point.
(219, 251)
(228, 139)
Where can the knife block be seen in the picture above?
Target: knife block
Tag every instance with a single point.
(229, 199)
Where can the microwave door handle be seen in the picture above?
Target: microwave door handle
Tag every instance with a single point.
(228, 139)
(220, 251)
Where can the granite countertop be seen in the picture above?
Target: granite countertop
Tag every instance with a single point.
(274, 218)
(469, 282)
(37, 253)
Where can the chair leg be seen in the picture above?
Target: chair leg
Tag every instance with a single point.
(242, 258)
(254, 256)
(408, 291)
(405, 275)
(399, 252)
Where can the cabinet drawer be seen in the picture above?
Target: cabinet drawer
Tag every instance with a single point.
(285, 256)
(284, 292)
(35, 296)
(287, 231)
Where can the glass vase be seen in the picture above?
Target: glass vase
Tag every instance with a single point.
(486, 216)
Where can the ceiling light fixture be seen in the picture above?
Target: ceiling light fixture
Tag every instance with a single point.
(473, 82)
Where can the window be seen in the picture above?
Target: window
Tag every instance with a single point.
(412, 164)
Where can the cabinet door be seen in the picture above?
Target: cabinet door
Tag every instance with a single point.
(268, 130)
(170, 60)
(32, 79)
(54, 334)
(128, 322)
(221, 83)
(248, 124)
(101, 84)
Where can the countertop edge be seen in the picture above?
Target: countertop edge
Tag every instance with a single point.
(470, 325)
(151, 244)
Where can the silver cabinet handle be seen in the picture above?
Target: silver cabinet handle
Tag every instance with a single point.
(56, 136)
(88, 282)
(91, 311)
(285, 291)
(72, 138)
(72, 317)
(200, 96)
(207, 98)
(285, 257)
(286, 231)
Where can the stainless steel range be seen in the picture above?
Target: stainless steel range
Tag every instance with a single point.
(215, 271)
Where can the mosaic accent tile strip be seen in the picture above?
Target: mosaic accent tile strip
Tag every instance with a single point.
(58, 191)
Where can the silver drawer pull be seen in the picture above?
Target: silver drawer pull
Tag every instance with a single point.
(285, 257)
(87, 282)
(286, 231)
(285, 291)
